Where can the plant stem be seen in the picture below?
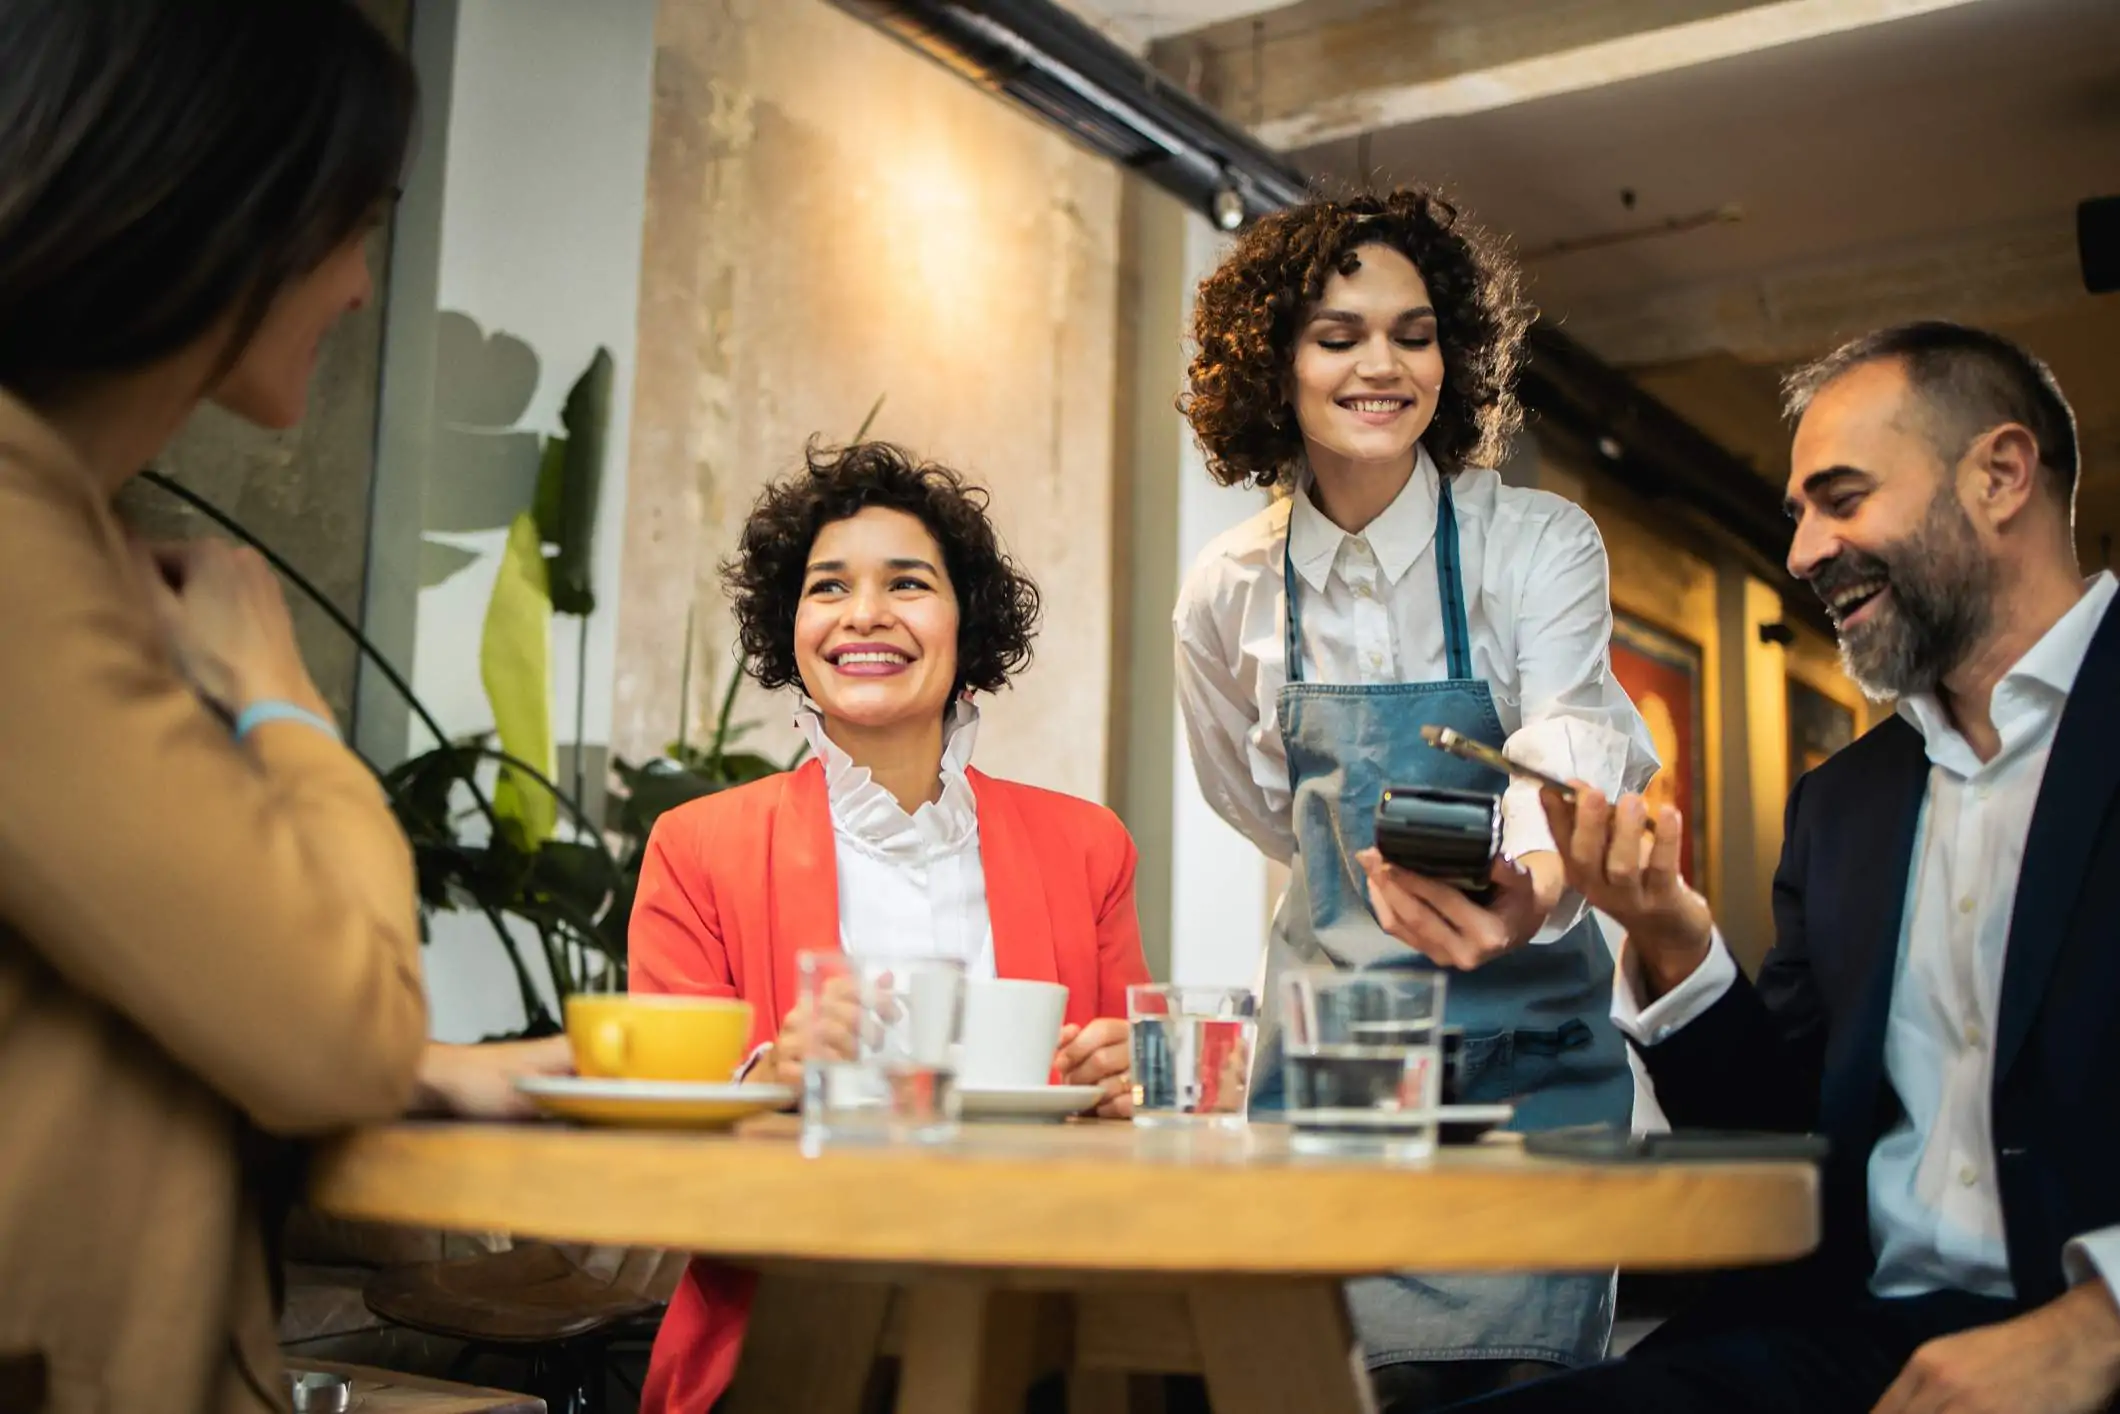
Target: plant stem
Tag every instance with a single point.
(581, 705)
(533, 1005)
(721, 725)
(684, 678)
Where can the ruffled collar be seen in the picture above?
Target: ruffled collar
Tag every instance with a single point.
(869, 817)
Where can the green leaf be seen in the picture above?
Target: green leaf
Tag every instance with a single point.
(551, 477)
(579, 874)
(514, 664)
(739, 767)
(587, 418)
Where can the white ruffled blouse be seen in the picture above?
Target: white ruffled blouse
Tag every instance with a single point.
(910, 885)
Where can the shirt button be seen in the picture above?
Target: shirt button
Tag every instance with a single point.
(1968, 1176)
(1965, 905)
(1973, 1034)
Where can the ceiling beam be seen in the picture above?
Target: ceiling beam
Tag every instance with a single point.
(1318, 70)
(1999, 275)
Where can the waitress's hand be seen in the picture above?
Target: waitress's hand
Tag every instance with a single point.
(1100, 1053)
(1624, 860)
(1440, 923)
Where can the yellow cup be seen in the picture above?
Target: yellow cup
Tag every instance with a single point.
(622, 1037)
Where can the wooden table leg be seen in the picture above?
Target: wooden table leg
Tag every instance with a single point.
(1113, 1392)
(971, 1349)
(809, 1346)
(1273, 1346)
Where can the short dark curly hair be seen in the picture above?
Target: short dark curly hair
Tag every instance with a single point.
(1252, 307)
(997, 604)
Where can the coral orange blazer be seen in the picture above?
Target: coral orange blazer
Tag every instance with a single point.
(736, 884)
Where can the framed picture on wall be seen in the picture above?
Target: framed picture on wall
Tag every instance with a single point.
(1662, 673)
(1819, 725)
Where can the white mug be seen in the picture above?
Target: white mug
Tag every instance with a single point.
(1011, 1029)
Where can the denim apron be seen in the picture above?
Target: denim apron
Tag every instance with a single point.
(1538, 1032)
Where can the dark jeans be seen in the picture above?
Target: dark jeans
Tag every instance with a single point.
(1829, 1358)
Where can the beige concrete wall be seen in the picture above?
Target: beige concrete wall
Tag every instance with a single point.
(832, 218)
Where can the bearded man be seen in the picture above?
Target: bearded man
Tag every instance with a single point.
(1943, 996)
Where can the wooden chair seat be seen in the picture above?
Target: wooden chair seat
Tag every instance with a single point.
(529, 1295)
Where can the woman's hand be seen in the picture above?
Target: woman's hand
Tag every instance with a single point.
(226, 621)
(1445, 926)
(1100, 1054)
(830, 1031)
(478, 1082)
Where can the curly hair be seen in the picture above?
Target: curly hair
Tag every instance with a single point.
(1252, 307)
(997, 604)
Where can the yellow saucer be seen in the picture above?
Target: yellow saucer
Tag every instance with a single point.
(658, 1104)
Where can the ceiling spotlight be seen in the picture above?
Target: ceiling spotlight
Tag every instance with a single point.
(1610, 449)
(1228, 209)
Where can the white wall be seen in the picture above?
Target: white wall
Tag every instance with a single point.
(1219, 879)
(537, 118)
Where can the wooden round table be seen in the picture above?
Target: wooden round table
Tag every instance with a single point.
(1102, 1248)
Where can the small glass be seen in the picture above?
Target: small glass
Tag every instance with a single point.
(1192, 1049)
(1362, 1061)
(879, 1048)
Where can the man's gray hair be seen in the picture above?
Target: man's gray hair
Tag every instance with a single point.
(1969, 380)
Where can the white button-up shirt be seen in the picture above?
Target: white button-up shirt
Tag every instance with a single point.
(1538, 611)
(1934, 1195)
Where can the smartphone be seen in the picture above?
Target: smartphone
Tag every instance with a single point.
(1465, 748)
(1606, 1143)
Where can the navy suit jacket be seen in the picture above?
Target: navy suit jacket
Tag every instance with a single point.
(1802, 1049)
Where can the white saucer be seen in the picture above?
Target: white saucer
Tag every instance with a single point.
(1027, 1101)
(1461, 1124)
(679, 1103)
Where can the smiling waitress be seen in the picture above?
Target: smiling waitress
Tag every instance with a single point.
(1361, 355)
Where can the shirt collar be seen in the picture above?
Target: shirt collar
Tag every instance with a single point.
(2038, 683)
(1396, 537)
(849, 787)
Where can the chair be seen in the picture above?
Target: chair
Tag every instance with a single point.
(535, 1300)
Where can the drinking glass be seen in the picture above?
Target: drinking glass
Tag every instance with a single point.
(1192, 1049)
(878, 1048)
(1362, 1061)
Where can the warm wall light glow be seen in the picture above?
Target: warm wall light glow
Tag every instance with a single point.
(940, 237)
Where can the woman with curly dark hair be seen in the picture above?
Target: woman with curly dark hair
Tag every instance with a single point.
(874, 583)
(1358, 357)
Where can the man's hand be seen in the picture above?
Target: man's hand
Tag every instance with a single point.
(1101, 1054)
(2063, 1358)
(1625, 863)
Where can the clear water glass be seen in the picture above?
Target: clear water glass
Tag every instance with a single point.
(879, 1045)
(1192, 1050)
(1362, 1061)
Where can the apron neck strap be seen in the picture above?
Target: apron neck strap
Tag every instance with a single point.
(1449, 584)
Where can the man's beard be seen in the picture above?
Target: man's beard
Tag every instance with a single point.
(1941, 602)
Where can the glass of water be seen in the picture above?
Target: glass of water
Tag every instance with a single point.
(1362, 1061)
(1191, 1053)
(879, 1037)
